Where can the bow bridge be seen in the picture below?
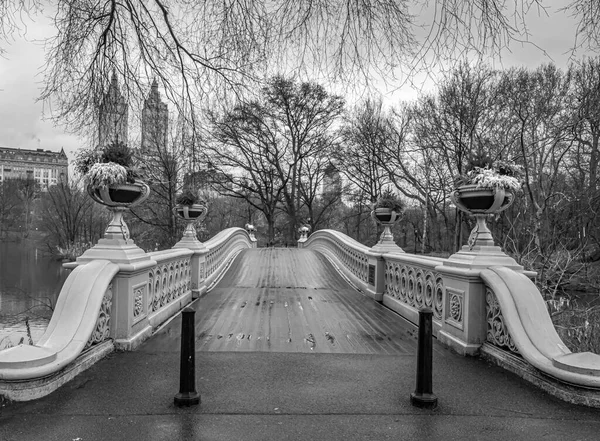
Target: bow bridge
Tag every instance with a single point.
(330, 295)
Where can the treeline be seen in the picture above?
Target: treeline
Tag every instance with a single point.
(277, 150)
(297, 155)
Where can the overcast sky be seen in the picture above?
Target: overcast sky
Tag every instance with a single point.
(22, 123)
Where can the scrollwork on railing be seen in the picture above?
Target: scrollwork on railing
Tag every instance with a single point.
(355, 260)
(214, 258)
(497, 333)
(415, 286)
(167, 282)
(102, 329)
(348, 253)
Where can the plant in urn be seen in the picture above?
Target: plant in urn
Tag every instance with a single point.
(489, 187)
(112, 180)
(191, 209)
(386, 212)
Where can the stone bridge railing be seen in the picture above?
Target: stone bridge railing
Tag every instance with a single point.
(482, 303)
(350, 256)
(115, 298)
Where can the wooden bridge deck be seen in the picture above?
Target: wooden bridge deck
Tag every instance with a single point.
(293, 300)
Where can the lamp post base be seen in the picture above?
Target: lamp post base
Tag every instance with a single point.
(424, 401)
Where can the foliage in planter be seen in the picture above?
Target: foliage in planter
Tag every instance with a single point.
(101, 167)
(485, 173)
(103, 175)
(389, 200)
(187, 197)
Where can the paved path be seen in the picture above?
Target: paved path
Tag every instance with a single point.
(290, 300)
(258, 396)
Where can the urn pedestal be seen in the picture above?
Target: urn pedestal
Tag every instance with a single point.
(191, 214)
(116, 245)
(480, 251)
(386, 217)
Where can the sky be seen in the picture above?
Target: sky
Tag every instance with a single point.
(23, 123)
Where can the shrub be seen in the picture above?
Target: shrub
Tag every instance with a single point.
(389, 200)
(187, 197)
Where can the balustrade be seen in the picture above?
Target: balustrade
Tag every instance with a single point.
(349, 255)
(417, 284)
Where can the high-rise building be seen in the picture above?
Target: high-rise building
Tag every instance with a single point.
(332, 180)
(44, 166)
(113, 116)
(155, 123)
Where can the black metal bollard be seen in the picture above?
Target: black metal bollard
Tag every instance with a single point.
(187, 395)
(423, 395)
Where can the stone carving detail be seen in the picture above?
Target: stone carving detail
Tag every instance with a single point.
(102, 329)
(415, 286)
(354, 260)
(201, 271)
(497, 333)
(456, 307)
(138, 302)
(167, 282)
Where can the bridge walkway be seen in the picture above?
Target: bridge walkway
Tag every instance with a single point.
(292, 300)
(260, 390)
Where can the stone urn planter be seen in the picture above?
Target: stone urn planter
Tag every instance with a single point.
(119, 198)
(385, 216)
(480, 202)
(386, 212)
(190, 212)
(120, 195)
(475, 200)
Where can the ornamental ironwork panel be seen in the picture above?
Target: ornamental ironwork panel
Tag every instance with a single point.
(167, 282)
(497, 332)
(415, 286)
(102, 329)
(455, 307)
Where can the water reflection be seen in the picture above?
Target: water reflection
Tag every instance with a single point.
(30, 282)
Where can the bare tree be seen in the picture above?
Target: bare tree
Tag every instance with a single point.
(200, 47)
(290, 123)
(243, 155)
(69, 217)
(536, 104)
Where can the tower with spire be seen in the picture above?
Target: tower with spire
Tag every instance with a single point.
(113, 115)
(155, 123)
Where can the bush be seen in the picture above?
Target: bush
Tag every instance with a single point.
(188, 197)
(389, 200)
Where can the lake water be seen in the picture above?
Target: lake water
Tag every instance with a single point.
(30, 282)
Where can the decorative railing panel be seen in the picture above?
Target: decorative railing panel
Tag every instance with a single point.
(167, 281)
(346, 252)
(102, 329)
(497, 332)
(221, 249)
(416, 285)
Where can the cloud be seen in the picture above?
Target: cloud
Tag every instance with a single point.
(22, 124)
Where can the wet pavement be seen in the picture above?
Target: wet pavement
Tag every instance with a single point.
(303, 395)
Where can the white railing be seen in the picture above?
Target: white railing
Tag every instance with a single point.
(105, 305)
(169, 283)
(411, 283)
(350, 256)
(518, 322)
(221, 249)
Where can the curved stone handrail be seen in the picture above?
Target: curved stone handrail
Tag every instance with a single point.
(72, 324)
(221, 249)
(350, 256)
(523, 323)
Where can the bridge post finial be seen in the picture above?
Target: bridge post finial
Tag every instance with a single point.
(304, 232)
